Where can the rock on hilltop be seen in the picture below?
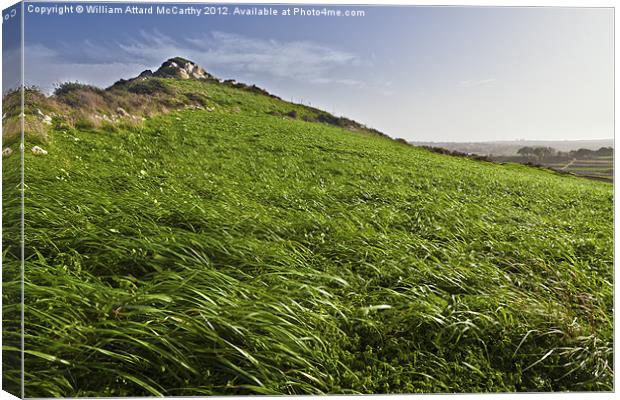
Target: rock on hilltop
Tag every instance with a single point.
(180, 68)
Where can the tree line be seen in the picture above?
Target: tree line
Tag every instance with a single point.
(541, 153)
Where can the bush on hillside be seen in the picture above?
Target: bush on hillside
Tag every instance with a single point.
(149, 87)
(81, 96)
(455, 153)
(70, 87)
(197, 98)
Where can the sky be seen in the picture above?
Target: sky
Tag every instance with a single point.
(419, 73)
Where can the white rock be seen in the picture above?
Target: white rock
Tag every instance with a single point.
(46, 118)
(38, 151)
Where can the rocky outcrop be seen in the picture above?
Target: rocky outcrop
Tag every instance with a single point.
(182, 69)
(145, 74)
(38, 151)
(45, 118)
(176, 67)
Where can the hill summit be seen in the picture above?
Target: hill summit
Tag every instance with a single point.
(177, 84)
(180, 68)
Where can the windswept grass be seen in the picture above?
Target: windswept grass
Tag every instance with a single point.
(243, 252)
(11, 275)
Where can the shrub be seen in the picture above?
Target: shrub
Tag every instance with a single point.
(70, 87)
(327, 119)
(84, 123)
(180, 60)
(197, 98)
(109, 127)
(81, 96)
(149, 87)
(35, 131)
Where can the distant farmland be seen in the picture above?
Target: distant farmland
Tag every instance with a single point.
(510, 147)
(580, 157)
(599, 167)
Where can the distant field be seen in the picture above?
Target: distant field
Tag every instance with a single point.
(510, 147)
(600, 167)
(596, 166)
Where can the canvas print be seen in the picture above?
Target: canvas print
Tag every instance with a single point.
(291, 199)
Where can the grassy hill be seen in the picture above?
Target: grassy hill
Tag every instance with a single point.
(228, 245)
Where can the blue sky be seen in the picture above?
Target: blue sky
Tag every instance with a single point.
(421, 73)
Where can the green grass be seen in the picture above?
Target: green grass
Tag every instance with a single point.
(238, 252)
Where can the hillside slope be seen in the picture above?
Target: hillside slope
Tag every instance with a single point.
(232, 249)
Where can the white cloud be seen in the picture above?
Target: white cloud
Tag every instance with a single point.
(231, 55)
(348, 82)
(477, 83)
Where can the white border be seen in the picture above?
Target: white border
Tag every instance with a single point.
(484, 3)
